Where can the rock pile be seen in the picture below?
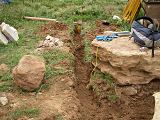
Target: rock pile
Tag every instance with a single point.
(49, 43)
(29, 72)
(123, 59)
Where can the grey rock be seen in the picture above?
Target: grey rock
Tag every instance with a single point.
(3, 100)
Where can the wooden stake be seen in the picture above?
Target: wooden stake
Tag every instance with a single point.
(40, 19)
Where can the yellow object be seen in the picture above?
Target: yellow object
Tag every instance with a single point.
(131, 9)
(95, 64)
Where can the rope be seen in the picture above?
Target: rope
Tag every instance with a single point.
(95, 64)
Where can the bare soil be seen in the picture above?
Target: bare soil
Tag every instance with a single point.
(55, 29)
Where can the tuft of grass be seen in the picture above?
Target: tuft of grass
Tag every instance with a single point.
(24, 112)
(113, 97)
(6, 77)
(87, 50)
(6, 87)
(54, 57)
(103, 76)
(109, 80)
(59, 117)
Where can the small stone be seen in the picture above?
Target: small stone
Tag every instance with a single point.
(3, 100)
(106, 88)
(130, 91)
(51, 44)
(49, 37)
(46, 43)
(70, 83)
(99, 81)
(3, 69)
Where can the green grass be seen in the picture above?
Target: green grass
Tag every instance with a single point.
(23, 112)
(103, 76)
(108, 80)
(113, 97)
(66, 11)
(59, 117)
(6, 86)
(54, 57)
(87, 50)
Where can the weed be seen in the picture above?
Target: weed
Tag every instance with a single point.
(103, 76)
(21, 112)
(113, 97)
(6, 77)
(6, 86)
(54, 57)
(59, 117)
(87, 50)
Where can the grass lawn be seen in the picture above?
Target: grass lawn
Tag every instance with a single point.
(66, 11)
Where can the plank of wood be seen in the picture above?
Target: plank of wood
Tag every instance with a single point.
(40, 19)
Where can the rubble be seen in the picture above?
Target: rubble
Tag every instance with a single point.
(49, 43)
(8, 33)
(3, 100)
(123, 59)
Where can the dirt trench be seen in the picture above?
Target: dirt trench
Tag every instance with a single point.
(90, 108)
(134, 107)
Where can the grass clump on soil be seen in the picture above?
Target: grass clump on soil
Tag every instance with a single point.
(6, 86)
(87, 51)
(103, 76)
(53, 58)
(59, 117)
(107, 82)
(23, 112)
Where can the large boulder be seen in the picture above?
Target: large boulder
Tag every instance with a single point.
(123, 59)
(29, 72)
